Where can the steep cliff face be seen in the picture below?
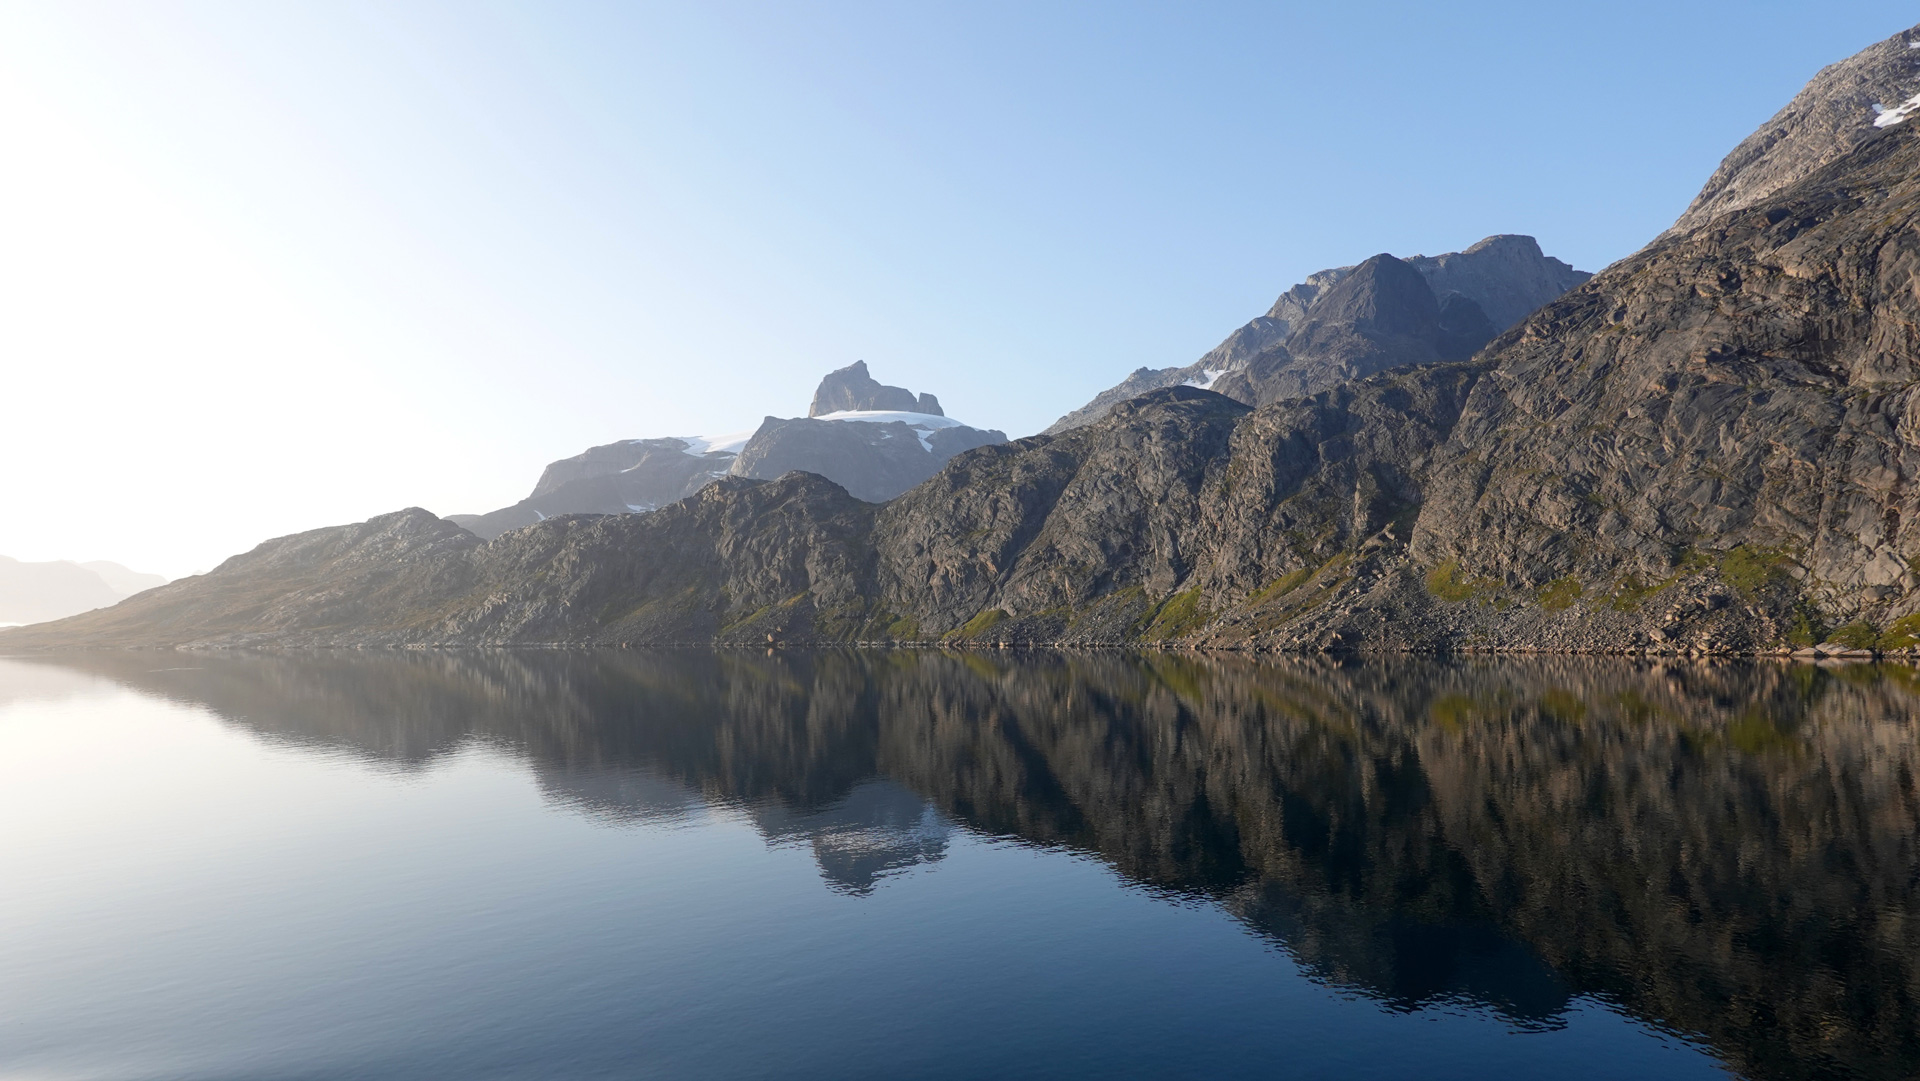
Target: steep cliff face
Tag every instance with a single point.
(1836, 112)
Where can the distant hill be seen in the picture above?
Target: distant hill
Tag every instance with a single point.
(37, 592)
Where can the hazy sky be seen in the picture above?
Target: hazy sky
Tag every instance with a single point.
(268, 267)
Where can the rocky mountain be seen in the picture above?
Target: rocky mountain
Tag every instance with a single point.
(1840, 108)
(1381, 315)
(37, 592)
(876, 441)
(851, 388)
(1502, 278)
(1705, 448)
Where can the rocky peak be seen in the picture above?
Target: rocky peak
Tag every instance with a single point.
(852, 388)
(1836, 112)
(1381, 315)
(1507, 275)
(1503, 279)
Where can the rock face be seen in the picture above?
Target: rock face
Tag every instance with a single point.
(851, 388)
(873, 457)
(1835, 113)
(1378, 323)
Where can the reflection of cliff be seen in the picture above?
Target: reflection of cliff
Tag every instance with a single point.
(1729, 850)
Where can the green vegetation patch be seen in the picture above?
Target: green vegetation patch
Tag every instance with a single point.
(1559, 594)
(1807, 628)
(1902, 633)
(1750, 568)
(1856, 635)
(1449, 583)
(1282, 585)
(1178, 616)
(987, 620)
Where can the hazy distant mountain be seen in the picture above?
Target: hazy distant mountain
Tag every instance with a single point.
(1840, 108)
(874, 440)
(36, 592)
(1500, 280)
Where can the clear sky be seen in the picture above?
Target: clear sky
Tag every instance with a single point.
(268, 267)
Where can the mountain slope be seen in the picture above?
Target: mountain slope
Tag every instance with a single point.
(1832, 115)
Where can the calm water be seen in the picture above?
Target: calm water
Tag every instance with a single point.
(921, 865)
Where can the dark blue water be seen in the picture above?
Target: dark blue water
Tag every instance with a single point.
(921, 865)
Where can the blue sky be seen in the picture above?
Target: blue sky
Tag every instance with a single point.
(266, 267)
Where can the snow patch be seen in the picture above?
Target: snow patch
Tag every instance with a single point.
(640, 508)
(922, 424)
(1913, 44)
(702, 445)
(1206, 379)
(1890, 117)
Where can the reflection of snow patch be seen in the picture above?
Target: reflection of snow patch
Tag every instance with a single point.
(1890, 117)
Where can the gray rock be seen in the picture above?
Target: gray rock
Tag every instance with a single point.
(852, 388)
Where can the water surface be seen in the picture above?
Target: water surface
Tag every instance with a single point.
(698, 865)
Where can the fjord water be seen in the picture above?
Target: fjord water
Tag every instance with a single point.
(723, 865)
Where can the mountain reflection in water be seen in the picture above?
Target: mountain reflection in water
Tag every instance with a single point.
(1724, 850)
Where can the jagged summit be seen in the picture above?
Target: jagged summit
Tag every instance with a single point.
(851, 389)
